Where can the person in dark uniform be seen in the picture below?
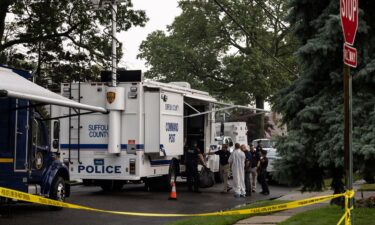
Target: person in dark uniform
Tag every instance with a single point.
(193, 157)
(247, 170)
(259, 147)
(262, 172)
(254, 163)
(224, 166)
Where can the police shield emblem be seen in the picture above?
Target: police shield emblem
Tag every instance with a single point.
(111, 96)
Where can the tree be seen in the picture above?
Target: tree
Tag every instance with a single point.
(61, 39)
(312, 107)
(206, 47)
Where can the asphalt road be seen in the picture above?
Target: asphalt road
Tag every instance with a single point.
(132, 198)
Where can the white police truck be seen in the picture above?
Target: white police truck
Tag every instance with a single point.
(144, 141)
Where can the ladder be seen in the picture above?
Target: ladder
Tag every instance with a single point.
(75, 123)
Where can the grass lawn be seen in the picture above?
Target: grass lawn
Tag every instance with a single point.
(327, 183)
(223, 220)
(367, 187)
(330, 215)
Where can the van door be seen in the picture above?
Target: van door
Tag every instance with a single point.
(6, 136)
(21, 136)
(10, 139)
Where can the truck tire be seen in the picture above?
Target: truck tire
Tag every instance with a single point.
(87, 182)
(111, 185)
(156, 183)
(58, 191)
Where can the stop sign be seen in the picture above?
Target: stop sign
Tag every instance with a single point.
(349, 19)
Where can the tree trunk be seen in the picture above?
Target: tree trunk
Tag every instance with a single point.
(259, 120)
(337, 185)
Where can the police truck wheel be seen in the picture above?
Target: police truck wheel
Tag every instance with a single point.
(87, 182)
(111, 185)
(58, 191)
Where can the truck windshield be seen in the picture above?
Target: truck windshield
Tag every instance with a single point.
(265, 143)
(219, 140)
(38, 134)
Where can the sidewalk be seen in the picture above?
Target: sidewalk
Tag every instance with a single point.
(281, 216)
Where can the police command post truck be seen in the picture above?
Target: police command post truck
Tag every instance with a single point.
(29, 160)
(144, 141)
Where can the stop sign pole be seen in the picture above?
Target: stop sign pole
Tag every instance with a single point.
(349, 22)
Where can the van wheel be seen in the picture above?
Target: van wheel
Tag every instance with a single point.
(58, 191)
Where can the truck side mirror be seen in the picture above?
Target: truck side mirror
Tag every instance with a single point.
(55, 144)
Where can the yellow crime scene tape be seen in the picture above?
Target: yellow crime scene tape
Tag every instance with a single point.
(12, 194)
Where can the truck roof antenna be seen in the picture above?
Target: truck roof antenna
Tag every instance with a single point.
(99, 5)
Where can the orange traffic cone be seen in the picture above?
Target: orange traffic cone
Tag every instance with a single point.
(173, 194)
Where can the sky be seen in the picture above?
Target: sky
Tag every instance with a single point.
(160, 13)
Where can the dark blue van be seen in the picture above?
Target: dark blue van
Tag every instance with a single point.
(27, 162)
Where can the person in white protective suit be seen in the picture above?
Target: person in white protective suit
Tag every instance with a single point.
(237, 161)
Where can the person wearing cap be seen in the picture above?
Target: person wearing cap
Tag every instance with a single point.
(259, 147)
(262, 172)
